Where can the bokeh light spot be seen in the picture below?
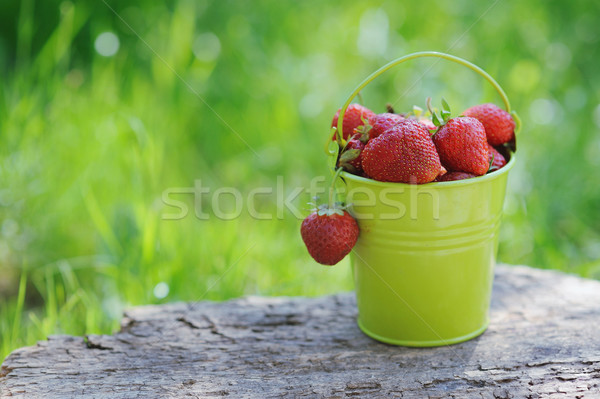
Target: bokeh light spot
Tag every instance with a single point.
(107, 44)
(524, 76)
(544, 111)
(207, 47)
(161, 290)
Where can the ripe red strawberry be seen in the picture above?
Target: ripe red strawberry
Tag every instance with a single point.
(427, 123)
(462, 146)
(495, 158)
(499, 125)
(353, 118)
(404, 154)
(329, 234)
(451, 176)
(352, 162)
(382, 123)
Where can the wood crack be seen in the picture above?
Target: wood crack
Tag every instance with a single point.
(188, 323)
(93, 345)
(215, 330)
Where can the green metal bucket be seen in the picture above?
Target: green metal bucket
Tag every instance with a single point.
(423, 263)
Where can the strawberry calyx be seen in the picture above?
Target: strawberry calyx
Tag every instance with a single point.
(362, 132)
(439, 118)
(349, 155)
(325, 210)
(348, 158)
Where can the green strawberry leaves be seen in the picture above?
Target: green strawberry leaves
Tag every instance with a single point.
(325, 210)
(363, 130)
(348, 167)
(439, 118)
(349, 155)
(492, 163)
(445, 110)
(436, 120)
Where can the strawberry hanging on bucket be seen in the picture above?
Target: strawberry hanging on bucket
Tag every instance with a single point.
(329, 232)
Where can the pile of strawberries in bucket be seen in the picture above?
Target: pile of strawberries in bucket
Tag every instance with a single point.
(412, 148)
(415, 148)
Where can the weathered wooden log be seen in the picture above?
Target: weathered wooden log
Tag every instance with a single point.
(543, 341)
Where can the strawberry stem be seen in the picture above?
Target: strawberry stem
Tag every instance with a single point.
(429, 107)
(332, 187)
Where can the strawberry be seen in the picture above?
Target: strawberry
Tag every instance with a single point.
(351, 158)
(495, 159)
(451, 176)
(462, 146)
(443, 171)
(329, 234)
(404, 154)
(382, 123)
(353, 118)
(499, 124)
(427, 123)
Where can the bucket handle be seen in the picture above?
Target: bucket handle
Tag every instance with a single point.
(333, 151)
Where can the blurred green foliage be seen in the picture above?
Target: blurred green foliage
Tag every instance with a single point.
(235, 94)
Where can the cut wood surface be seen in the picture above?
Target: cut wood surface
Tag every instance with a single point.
(543, 341)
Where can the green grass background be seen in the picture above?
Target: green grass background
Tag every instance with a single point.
(88, 144)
